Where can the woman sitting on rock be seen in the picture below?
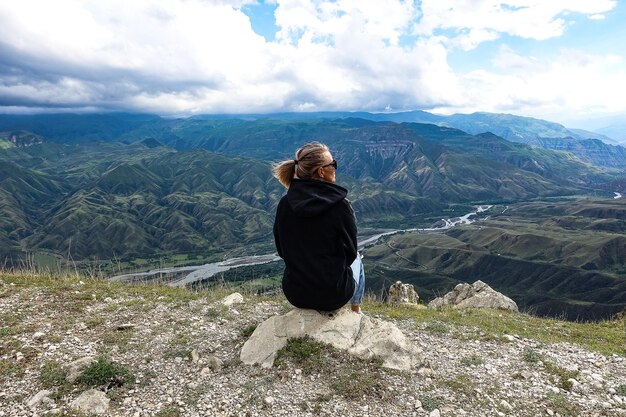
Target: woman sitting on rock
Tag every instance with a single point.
(315, 234)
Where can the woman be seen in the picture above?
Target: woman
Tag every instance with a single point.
(315, 234)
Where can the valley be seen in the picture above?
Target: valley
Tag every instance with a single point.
(116, 194)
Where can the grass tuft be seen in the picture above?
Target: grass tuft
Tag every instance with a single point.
(473, 360)
(529, 355)
(304, 351)
(561, 406)
(561, 375)
(105, 373)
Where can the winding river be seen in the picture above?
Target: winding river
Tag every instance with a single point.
(181, 276)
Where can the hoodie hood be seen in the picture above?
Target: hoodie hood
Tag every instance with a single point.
(308, 198)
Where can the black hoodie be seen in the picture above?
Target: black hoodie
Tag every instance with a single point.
(315, 233)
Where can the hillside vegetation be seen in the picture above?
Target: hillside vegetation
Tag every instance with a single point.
(559, 258)
(151, 187)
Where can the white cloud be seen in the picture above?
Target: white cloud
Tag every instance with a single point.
(201, 56)
(321, 20)
(532, 19)
(577, 81)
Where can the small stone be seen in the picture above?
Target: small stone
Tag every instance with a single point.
(574, 383)
(549, 412)
(92, 402)
(108, 300)
(269, 400)
(505, 405)
(509, 338)
(74, 369)
(426, 372)
(194, 356)
(178, 359)
(234, 298)
(39, 398)
(526, 375)
(435, 413)
(38, 335)
(612, 391)
(418, 404)
(125, 326)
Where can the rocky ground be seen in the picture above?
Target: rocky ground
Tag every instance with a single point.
(171, 354)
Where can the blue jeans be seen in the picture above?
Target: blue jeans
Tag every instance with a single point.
(359, 280)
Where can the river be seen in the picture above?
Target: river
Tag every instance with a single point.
(181, 276)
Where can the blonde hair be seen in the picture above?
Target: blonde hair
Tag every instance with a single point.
(308, 159)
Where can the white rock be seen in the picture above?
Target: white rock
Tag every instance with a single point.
(39, 398)
(358, 334)
(575, 384)
(435, 413)
(269, 400)
(234, 298)
(38, 335)
(74, 369)
(418, 404)
(504, 404)
(426, 372)
(597, 377)
(477, 295)
(400, 293)
(91, 402)
(194, 356)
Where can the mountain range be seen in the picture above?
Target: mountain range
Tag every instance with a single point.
(127, 186)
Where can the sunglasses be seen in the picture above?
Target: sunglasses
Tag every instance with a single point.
(332, 164)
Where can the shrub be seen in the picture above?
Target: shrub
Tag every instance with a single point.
(429, 403)
(531, 356)
(301, 350)
(106, 373)
(52, 374)
(473, 360)
(436, 327)
(247, 331)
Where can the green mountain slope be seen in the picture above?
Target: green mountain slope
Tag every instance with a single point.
(554, 258)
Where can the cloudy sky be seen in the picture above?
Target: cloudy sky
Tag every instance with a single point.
(562, 60)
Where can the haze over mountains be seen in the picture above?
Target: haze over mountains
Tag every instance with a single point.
(125, 186)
